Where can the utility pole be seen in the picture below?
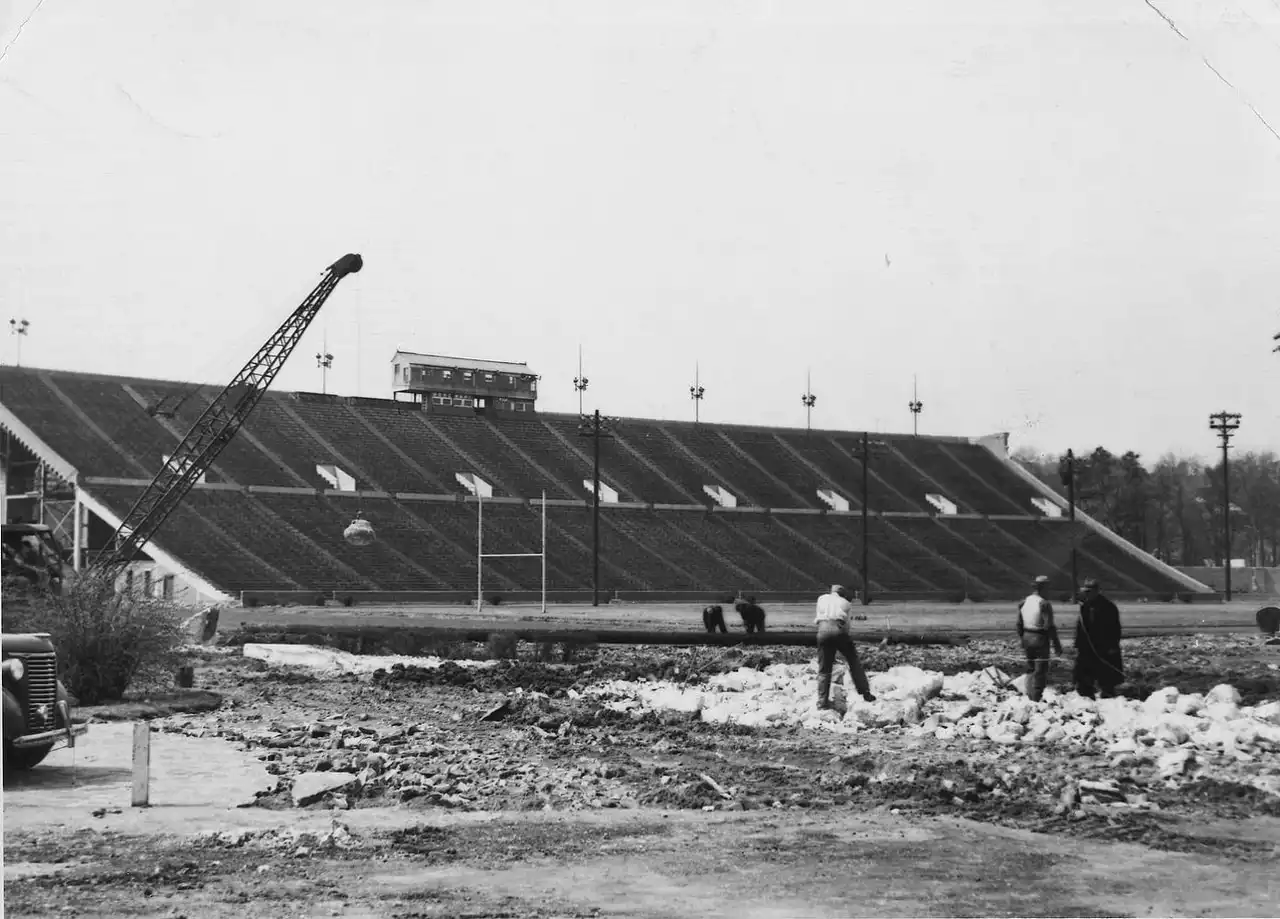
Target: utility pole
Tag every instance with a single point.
(324, 361)
(580, 382)
(808, 399)
(1225, 423)
(19, 327)
(916, 407)
(868, 448)
(696, 392)
(595, 426)
(1069, 479)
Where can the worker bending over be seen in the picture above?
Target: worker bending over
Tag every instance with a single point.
(832, 619)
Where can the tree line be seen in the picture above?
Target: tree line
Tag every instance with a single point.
(1173, 508)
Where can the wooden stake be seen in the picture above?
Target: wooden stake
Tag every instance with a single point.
(141, 764)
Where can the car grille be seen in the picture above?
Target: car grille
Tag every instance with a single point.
(41, 678)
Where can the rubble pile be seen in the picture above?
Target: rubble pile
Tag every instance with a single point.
(342, 761)
(1180, 731)
(331, 660)
(298, 843)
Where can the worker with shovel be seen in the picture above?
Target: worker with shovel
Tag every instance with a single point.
(1037, 632)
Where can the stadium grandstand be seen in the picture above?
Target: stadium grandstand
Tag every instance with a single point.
(687, 509)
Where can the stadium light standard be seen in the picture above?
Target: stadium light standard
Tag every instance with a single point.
(324, 361)
(19, 327)
(595, 426)
(916, 407)
(1225, 423)
(580, 382)
(808, 399)
(867, 448)
(696, 392)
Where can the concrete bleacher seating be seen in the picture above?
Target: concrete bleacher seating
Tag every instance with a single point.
(269, 520)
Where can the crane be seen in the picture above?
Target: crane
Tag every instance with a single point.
(214, 429)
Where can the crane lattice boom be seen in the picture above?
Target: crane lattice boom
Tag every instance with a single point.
(215, 428)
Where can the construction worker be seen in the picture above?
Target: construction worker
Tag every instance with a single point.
(1098, 660)
(832, 619)
(713, 618)
(1037, 632)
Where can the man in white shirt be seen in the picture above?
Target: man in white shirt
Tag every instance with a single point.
(1037, 631)
(832, 619)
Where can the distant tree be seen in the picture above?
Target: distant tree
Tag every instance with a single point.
(1174, 507)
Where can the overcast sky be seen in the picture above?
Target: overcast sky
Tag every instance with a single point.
(1056, 214)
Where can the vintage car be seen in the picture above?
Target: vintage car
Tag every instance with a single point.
(37, 707)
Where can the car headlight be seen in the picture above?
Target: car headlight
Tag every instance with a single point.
(15, 667)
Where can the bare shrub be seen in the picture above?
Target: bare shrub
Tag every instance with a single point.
(105, 639)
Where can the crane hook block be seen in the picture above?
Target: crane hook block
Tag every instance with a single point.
(348, 264)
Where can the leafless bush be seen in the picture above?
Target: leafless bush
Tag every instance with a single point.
(105, 639)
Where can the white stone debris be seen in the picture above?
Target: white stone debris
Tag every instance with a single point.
(1178, 731)
(330, 660)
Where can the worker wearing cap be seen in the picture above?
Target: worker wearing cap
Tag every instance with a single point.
(832, 619)
(1098, 660)
(1037, 632)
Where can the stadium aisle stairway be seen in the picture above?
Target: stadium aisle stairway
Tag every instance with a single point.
(619, 468)
(752, 486)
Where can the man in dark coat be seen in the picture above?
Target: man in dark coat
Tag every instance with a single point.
(752, 614)
(1098, 660)
(713, 618)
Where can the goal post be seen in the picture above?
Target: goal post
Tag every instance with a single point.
(481, 555)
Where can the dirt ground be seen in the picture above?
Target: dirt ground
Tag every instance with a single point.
(504, 792)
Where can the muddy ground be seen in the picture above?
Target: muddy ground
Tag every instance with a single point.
(500, 792)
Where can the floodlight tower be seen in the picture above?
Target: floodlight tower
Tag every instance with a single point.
(1225, 423)
(916, 407)
(580, 382)
(324, 361)
(808, 400)
(696, 392)
(19, 327)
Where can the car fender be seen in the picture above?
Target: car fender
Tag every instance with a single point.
(15, 724)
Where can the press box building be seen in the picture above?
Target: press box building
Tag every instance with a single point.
(439, 382)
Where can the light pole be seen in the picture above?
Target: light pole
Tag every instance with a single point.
(1225, 423)
(595, 426)
(696, 392)
(867, 448)
(916, 407)
(580, 382)
(19, 327)
(808, 399)
(324, 361)
(1069, 479)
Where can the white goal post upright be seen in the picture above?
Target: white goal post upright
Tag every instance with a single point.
(481, 555)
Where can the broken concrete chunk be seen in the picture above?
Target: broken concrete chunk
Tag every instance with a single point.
(1223, 693)
(310, 786)
(1174, 764)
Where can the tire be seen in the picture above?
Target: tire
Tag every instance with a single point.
(24, 758)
